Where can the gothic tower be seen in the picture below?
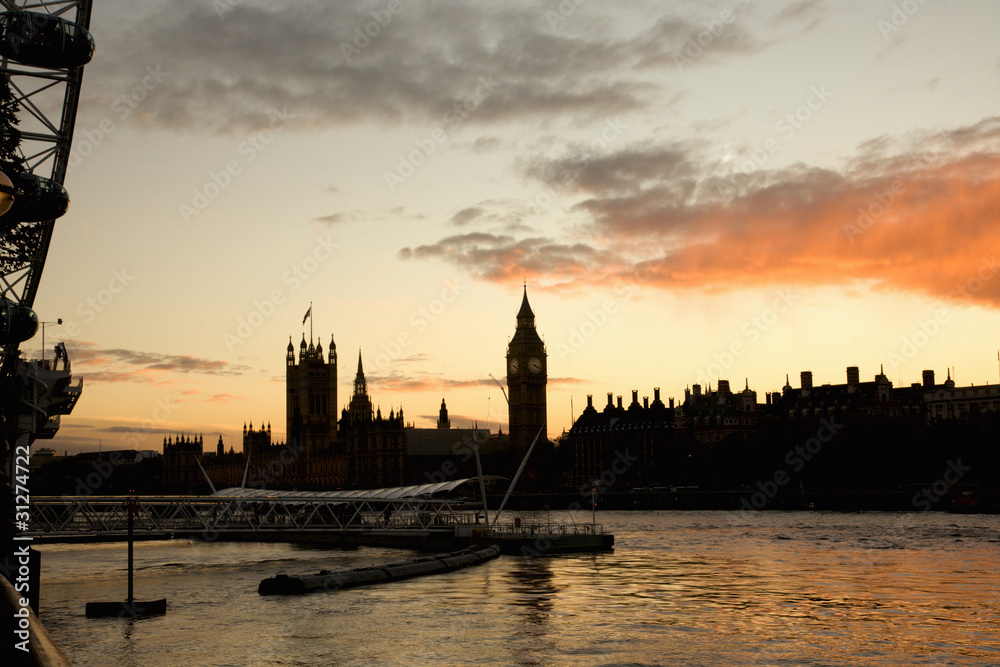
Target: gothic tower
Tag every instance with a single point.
(443, 421)
(311, 397)
(526, 379)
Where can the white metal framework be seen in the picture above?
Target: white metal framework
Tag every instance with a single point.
(212, 516)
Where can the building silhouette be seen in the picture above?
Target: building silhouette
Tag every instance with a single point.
(311, 398)
(527, 373)
(364, 448)
(374, 446)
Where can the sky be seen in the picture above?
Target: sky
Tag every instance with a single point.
(691, 191)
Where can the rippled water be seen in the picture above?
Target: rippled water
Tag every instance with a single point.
(681, 588)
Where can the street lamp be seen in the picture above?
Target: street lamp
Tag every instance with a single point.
(51, 324)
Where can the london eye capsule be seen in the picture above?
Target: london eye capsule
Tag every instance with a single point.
(44, 40)
(17, 323)
(37, 199)
(7, 193)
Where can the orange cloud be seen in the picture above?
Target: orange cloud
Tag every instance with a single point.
(919, 218)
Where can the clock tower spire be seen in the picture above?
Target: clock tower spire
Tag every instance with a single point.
(526, 380)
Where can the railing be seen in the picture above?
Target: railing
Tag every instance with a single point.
(109, 515)
(538, 529)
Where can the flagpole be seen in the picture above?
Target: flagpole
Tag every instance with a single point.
(310, 322)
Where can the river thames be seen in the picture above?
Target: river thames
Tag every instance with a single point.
(680, 588)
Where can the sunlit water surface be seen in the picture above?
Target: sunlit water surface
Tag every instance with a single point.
(680, 588)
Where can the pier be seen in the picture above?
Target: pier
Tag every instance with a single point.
(429, 517)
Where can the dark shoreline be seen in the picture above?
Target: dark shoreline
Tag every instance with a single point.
(755, 500)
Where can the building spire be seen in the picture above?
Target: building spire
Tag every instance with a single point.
(443, 421)
(360, 385)
(525, 317)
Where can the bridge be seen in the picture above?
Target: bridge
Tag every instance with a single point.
(427, 517)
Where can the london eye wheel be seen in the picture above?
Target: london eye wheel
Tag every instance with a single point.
(44, 45)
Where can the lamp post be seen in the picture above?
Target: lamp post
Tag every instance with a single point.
(57, 322)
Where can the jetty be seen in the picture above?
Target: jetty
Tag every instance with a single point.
(326, 580)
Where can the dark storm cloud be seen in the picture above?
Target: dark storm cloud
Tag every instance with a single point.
(228, 66)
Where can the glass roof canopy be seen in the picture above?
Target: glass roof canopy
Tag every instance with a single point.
(436, 489)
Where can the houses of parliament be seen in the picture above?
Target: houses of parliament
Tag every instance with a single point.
(365, 448)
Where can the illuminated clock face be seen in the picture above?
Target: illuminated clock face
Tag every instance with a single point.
(535, 365)
(513, 366)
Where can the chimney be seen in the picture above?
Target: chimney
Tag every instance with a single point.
(620, 403)
(928, 379)
(656, 393)
(696, 388)
(611, 400)
(853, 375)
(635, 395)
(807, 379)
(645, 402)
(671, 403)
(590, 400)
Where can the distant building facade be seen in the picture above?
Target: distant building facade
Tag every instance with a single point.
(629, 443)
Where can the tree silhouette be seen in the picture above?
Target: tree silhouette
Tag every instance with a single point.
(18, 242)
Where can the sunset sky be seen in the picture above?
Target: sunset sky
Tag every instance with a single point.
(692, 191)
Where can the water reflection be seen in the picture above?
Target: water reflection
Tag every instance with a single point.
(698, 588)
(532, 586)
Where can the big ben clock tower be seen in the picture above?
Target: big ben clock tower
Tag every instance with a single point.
(526, 379)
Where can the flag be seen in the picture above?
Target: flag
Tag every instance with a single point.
(306, 316)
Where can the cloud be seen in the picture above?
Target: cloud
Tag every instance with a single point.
(224, 398)
(466, 215)
(137, 429)
(915, 215)
(123, 365)
(567, 380)
(228, 66)
(502, 258)
(389, 384)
